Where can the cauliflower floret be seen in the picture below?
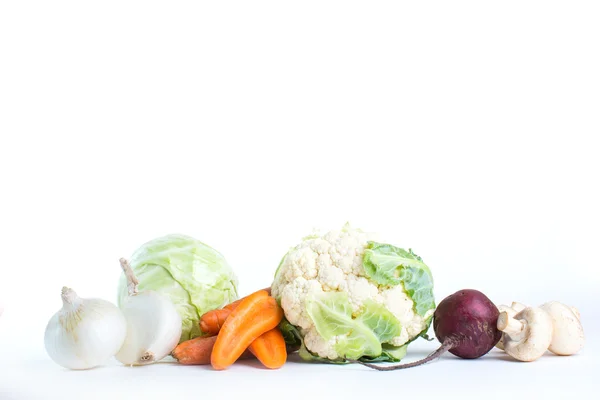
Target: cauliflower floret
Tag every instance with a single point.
(293, 298)
(316, 344)
(398, 302)
(360, 289)
(347, 248)
(334, 262)
(303, 263)
(320, 246)
(329, 276)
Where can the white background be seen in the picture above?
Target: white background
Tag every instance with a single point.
(464, 130)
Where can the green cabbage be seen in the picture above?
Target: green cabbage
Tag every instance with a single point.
(194, 276)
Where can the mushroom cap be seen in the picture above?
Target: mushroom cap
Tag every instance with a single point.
(576, 312)
(567, 337)
(533, 341)
(511, 313)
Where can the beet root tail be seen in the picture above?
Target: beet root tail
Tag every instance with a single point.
(447, 345)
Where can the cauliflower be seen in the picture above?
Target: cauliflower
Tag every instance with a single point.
(348, 297)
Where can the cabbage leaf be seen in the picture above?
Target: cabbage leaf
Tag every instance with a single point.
(193, 275)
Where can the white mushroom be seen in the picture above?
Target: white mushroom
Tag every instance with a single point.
(511, 313)
(567, 336)
(527, 335)
(576, 312)
(518, 307)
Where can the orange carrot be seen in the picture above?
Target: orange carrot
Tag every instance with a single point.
(212, 321)
(233, 305)
(255, 315)
(270, 349)
(197, 351)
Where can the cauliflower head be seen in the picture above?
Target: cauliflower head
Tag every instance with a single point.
(346, 296)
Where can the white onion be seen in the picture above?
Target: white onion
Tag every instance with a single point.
(153, 324)
(84, 333)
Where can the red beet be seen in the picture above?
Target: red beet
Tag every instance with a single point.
(468, 320)
(465, 324)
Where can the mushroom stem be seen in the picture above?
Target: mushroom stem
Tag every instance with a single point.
(509, 325)
(511, 313)
(518, 307)
(527, 335)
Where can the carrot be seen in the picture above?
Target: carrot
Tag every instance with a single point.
(197, 351)
(255, 315)
(270, 349)
(212, 321)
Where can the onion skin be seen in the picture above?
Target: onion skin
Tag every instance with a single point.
(84, 333)
(153, 328)
(468, 318)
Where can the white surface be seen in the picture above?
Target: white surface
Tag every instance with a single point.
(460, 129)
(495, 377)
